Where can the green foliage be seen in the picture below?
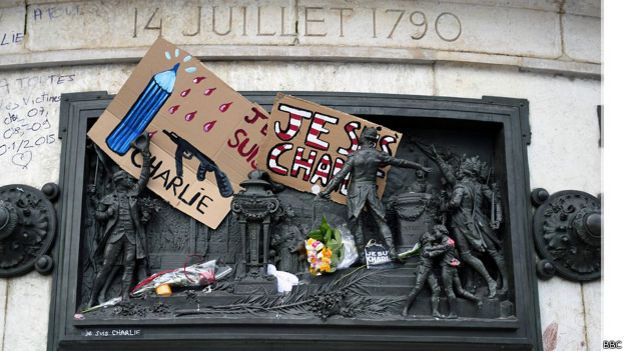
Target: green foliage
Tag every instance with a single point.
(316, 234)
(331, 238)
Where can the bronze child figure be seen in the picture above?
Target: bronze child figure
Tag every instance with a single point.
(363, 165)
(424, 274)
(439, 246)
(123, 240)
(449, 269)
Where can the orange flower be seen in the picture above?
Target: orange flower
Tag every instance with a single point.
(327, 252)
(324, 267)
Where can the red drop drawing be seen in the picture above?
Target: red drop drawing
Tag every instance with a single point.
(173, 109)
(198, 79)
(189, 116)
(185, 92)
(151, 134)
(225, 107)
(209, 91)
(209, 125)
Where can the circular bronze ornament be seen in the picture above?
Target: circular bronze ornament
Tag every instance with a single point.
(27, 229)
(567, 234)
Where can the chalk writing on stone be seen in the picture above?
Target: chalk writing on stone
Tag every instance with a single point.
(60, 11)
(46, 80)
(10, 38)
(28, 104)
(112, 332)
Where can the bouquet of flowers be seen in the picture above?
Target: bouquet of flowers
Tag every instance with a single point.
(199, 274)
(329, 249)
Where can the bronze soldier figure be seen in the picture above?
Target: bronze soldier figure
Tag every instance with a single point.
(123, 240)
(363, 165)
(471, 228)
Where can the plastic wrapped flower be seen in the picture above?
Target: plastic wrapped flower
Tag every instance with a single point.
(324, 249)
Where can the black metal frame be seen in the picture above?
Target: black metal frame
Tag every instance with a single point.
(522, 333)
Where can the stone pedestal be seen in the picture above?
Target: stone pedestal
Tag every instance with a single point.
(413, 218)
(254, 208)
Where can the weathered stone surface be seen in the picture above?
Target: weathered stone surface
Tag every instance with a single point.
(3, 303)
(83, 25)
(319, 76)
(343, 54)
(229, 23)
(138, 23)
(527, 33)
(561, 306)
(544, 5)
(582, 38)
(583, 7)
(29, 111)
(431, 25)
(592, 309)
(564, 153)
(11, 3)
(26, 324)
(12, 36)
(39, 2)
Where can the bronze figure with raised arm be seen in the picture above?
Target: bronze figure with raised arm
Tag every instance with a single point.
(472, 229)
(123, 241)
(363, 165)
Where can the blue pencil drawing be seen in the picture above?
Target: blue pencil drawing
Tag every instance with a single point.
(142, 111)
(146, 107)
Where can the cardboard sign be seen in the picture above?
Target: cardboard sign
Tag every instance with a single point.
(308, 143)
(204, 135)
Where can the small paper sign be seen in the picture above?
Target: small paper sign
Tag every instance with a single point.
(376, 256)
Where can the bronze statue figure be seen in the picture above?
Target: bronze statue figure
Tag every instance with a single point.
(471, 228)
(421, 185)
(287, 241)
(424, 273)
(123, 240)
(449, 269)
(363, 165)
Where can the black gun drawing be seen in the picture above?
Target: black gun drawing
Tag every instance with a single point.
(188, 151)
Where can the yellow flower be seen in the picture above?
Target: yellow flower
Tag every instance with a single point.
(324, 267)
(327, 252)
